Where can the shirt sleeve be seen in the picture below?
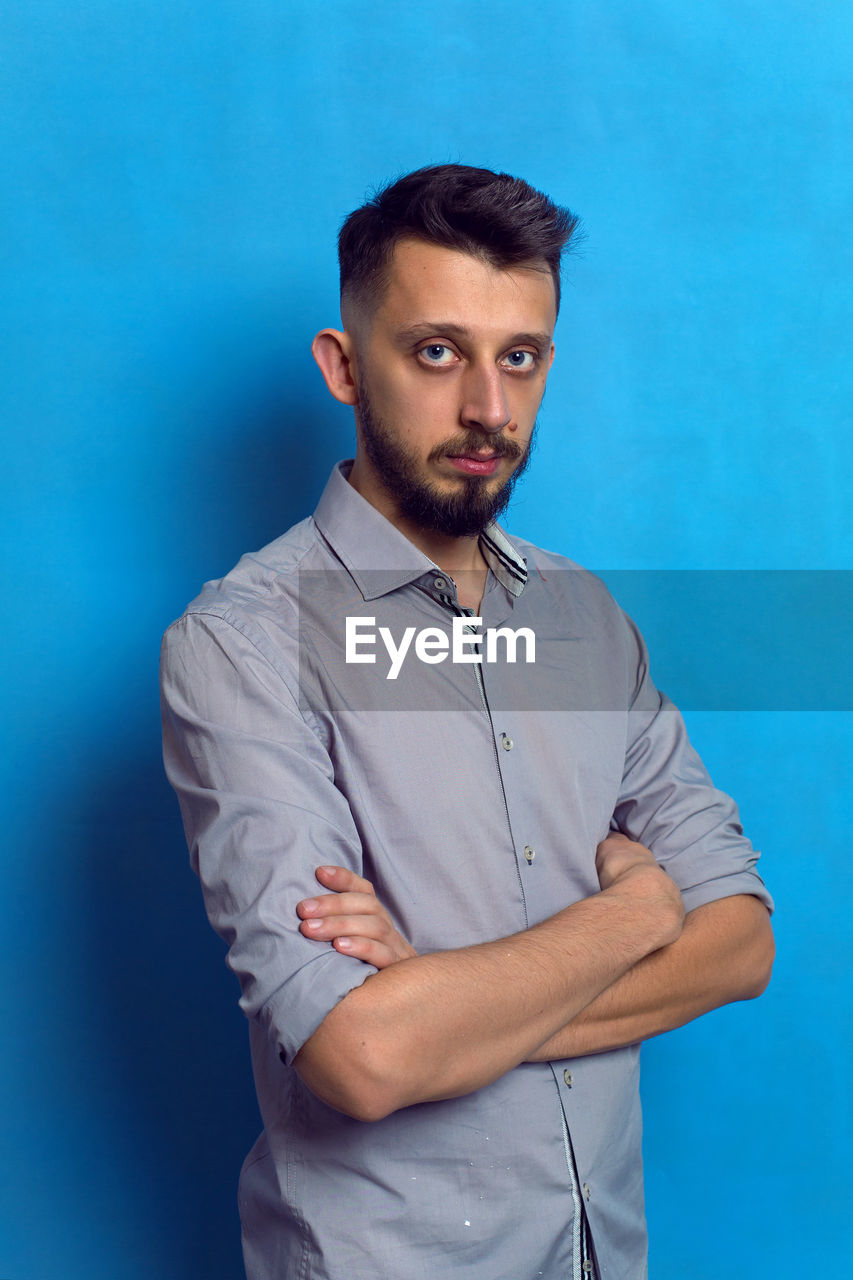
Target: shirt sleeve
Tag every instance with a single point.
(261, 812)
(668, 802)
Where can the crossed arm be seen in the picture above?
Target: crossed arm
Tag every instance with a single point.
(620, 966)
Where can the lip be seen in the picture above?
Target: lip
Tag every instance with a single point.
(475, 464)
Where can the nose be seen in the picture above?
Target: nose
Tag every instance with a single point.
(484, 400)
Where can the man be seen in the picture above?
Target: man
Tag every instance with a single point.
(524, 868)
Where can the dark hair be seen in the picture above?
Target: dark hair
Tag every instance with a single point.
(498, 217)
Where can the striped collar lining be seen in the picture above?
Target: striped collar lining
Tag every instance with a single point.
(506, 564)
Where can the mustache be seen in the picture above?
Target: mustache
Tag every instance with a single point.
(472, 442)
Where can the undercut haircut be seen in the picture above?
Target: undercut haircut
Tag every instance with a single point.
(491, 215)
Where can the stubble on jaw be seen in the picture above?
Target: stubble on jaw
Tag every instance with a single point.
(472, 506)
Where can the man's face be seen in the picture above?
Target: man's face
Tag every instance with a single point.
(450, 370)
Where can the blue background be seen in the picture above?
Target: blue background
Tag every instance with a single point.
(174, 176)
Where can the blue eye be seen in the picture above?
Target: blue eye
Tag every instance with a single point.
(437, 353)
(520, 360)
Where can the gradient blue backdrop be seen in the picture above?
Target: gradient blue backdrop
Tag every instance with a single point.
(174, 176)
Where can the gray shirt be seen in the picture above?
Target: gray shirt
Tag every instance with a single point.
(473, 795)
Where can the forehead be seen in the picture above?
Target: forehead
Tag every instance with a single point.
(428, 283)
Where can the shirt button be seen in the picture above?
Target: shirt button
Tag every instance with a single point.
(567, 1076)
(529, 853)
(439, 583)
(587, 1265)
(586, 1189)
(506, 742)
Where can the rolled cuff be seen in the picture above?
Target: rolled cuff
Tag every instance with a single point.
(698, 895)
(294, 1012)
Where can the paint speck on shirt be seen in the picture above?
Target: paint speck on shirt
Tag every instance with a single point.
(467, 1223)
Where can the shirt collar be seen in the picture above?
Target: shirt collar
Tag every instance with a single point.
(363, 540)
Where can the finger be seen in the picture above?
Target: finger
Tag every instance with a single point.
(372, 927)
(379, 954)
(341, 879)
(339, 904)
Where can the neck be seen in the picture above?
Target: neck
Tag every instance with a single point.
(460, 558)
(452, 554)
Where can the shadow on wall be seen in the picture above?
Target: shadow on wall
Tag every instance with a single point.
(251, 470)
(168, 1022)
(185, 1114)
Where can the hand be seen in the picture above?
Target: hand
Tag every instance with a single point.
(353, 919)
(625, 866)
(618, 856)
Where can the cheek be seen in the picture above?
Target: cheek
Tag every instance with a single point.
(414, 406)
(391, 396)
(525, 402)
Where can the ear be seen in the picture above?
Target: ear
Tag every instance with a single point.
(334, 353)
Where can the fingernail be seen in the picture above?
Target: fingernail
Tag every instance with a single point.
(309, 906)
(313, 924)
(344, 943)
(329, 871)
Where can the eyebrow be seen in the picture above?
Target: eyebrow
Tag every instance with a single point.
(433, 328)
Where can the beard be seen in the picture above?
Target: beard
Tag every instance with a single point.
(471, 506)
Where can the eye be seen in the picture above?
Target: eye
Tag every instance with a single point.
(525, 361)
(437, 353)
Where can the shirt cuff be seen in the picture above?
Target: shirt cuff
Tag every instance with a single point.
(698, 895)
(294, 1012)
